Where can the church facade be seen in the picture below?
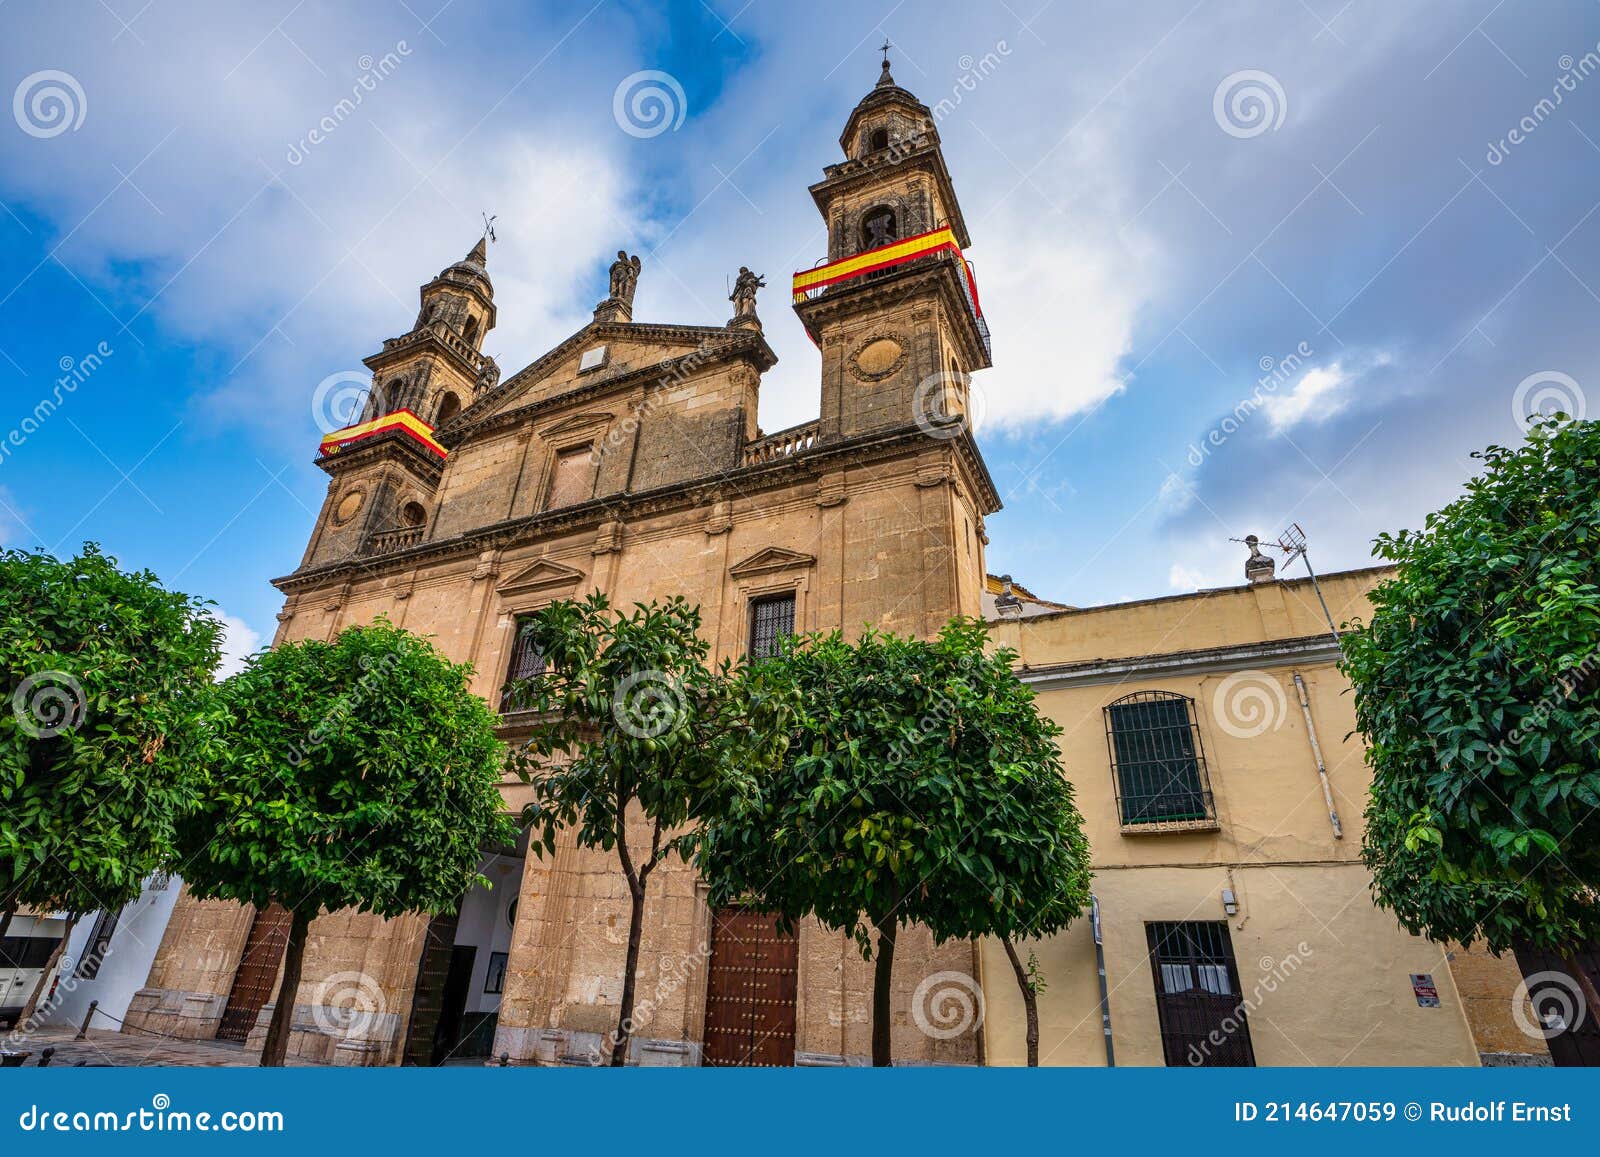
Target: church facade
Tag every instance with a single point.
(627, 460)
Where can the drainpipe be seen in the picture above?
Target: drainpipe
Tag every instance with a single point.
(1100, 964)
(1316, 751)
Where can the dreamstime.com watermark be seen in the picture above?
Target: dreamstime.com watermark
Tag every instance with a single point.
(648, 103)
(1249, 703)
(1573, 72)
(48, 703)
(48, 103)
(1273, 974)
(1248, 103)
(373, 72)
(1274, 373)
(72, 976)
(159, 1117)
(74, 372)
(1572, 679)
(1547, 392)
(1548, 1004)
(647, 704)
(947, 1004)
(973, 72)
(346, 705)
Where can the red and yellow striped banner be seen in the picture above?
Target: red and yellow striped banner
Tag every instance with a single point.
(884, 256)
(403, 420)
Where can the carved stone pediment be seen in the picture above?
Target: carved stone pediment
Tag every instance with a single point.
(541, 576)
(773, 558)
(577, 424)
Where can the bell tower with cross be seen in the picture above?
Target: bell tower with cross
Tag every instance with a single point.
(894, 306)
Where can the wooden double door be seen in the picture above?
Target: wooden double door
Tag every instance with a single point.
(257, 972)
(751, 992)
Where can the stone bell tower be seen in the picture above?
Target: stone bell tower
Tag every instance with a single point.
(895, 308)
(384, 471)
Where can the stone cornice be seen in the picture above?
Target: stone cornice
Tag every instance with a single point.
(849, 174)
(1237, 657)
(700, 492)
(391, 446)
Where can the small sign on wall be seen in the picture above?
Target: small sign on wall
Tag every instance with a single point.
(1427, 992)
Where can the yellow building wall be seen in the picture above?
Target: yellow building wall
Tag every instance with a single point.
(1325, 972)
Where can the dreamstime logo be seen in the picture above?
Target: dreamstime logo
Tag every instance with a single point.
(1548, 1004)
(47, 703)
(1248, 103)
(947, 1004)
(48, 103)
(1249, 703)
(648, 103)
(945, 404)
(373, 72)
(1547, 392)
(339, 399)
(647, 704)
(347, 1004)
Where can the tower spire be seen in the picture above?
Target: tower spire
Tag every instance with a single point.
(884, 79)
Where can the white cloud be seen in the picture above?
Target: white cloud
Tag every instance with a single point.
(1316, 397)
(240, 640)
(1183, 578)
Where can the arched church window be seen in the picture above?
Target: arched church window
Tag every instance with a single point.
(878, 227)
(412, 514)
(449, 407)
(471, 331)
(878, 140)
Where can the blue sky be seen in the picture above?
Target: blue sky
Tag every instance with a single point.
(1168, 202)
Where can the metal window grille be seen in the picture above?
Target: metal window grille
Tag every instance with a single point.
(1198, 997)
(99, 946)
(526, 662)
(771, 621)
(1158, 762)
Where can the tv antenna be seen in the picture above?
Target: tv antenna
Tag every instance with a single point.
(1292, 543)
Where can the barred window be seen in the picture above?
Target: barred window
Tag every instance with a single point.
(1158, 762)
(526, 662)
(1203, 1021)
(771, 621)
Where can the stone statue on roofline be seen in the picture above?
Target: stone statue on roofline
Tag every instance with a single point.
(744, 295)
(624, 277)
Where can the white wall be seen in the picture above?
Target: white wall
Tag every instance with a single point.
(123, 971)
(483, 924)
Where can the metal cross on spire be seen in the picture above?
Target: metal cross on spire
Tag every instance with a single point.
(884, 48)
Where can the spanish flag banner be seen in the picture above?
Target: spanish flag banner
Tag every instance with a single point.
(896, 253)
(402, 420)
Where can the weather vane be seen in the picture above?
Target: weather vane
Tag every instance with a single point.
(488, 225)
(884, 48)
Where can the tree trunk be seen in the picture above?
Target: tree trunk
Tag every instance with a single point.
(44, 976)
(1030, 1002)
(276, 1046)
(882, 982)
(630, 969)
(5, 920)
(1581, 975)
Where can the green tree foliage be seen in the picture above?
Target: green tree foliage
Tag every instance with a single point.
(358, 774)
(922, 787)
(631, 719)
(109, 714)
(1476, 688)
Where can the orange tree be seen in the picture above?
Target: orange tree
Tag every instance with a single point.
(1477, 687)
(632, 719)
(922, 786)
(360, 773)
(107, 716)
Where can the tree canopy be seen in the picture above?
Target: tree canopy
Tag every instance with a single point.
(922, 787)
(111, 716)
(631, 718)
(358, 774)
(1476, 689)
